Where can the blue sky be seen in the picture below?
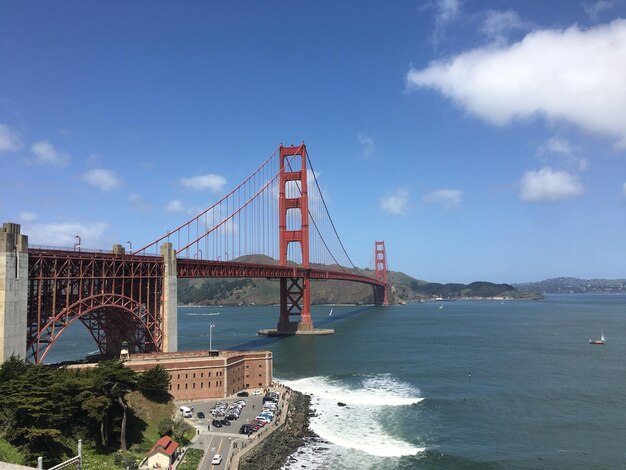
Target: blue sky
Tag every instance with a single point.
(481, 140)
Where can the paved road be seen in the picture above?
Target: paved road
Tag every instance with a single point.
(215, 440)
(213, 444)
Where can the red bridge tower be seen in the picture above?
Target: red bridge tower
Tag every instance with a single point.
(295, 292)
(380, 269)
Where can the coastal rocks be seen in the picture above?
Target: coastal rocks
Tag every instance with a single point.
(341, 403)
(276, 449)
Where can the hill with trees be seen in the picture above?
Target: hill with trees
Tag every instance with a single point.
(573, 285)
(246, 291)
(118, 413)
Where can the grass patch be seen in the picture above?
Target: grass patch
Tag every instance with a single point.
(94, 461)
(152, 413)
(192, 459)
(10, 454)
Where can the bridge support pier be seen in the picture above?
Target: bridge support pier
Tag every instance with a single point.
(13, 291)
(295, 299)
(169, 306)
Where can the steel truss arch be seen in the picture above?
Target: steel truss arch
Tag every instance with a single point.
(107, 317)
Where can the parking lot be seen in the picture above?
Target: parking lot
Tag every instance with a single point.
(254, 404)
(226, 440)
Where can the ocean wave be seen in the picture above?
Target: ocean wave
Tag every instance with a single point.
(202, 314)
(359, 424)
(379, 390)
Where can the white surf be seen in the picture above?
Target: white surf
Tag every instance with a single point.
(360, 424)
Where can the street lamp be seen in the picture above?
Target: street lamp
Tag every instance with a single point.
(211, 336)
(227, 256)
(77, 244)
(130, 247)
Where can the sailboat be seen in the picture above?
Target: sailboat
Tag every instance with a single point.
(602, 339)
(440, 306)
(331, 313)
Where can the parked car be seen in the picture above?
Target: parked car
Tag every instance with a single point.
(200, 414)
(256, 392)
(243, 394)
(225, 422)
(271, 397)
(217, 459)
(246, 429)
(217, 423)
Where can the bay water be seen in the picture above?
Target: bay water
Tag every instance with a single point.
(434, 385)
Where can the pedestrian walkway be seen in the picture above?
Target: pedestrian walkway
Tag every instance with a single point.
(250, 442)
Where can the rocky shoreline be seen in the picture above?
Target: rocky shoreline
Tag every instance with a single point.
(274, 451)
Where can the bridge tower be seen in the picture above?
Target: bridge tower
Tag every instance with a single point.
(169, 307)
(13, 291)
(295, 292)
(380, 269)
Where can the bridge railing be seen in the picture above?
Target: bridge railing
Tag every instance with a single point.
(64, 248)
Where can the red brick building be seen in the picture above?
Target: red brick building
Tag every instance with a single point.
(198, 375)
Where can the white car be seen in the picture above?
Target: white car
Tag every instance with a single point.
(217, 459)
(256, 392)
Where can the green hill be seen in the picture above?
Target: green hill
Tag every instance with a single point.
(246, 291)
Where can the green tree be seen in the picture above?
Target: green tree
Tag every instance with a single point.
(115, 381)
(166, 427)
(96, 407)
(154, 384)
(12, 368)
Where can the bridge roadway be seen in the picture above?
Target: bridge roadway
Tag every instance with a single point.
(192, 268)
(132, 298)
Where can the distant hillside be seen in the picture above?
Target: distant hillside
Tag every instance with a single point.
(572, 285)
(265, 292)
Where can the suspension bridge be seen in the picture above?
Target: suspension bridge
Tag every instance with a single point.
(274, 225)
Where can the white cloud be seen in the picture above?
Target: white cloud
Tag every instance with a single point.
(396, 203)
(555, 146)
(213, 183)
(367, 145)
(575, 75)
(593, 9)
(174, 206)
(139, 202)
(564, 151)
(46, 154)
(498, 24)
(101, 178)
(446, 11)
(92, 159)
(64, 234)
(446, 198)
(26, 217)
(9, 139)
(549, 185)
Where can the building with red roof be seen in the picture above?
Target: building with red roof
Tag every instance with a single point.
(163, 453)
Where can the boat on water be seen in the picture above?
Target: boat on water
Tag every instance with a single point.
(602, 339)
(331, 313)
(440, 306)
